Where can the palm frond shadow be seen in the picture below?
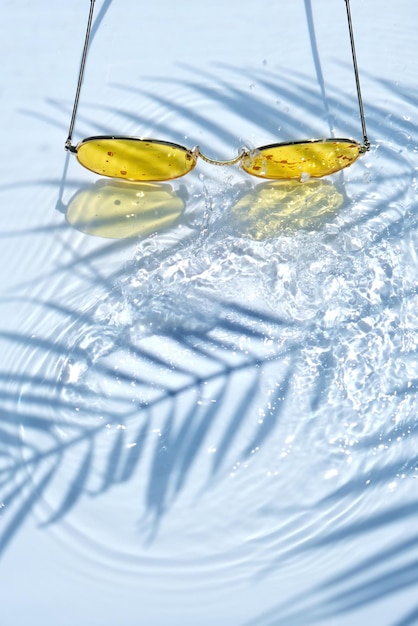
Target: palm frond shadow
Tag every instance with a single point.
(196, 346)
(168, 473)
(371, 579)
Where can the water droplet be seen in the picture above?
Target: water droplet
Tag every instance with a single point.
(330, 474)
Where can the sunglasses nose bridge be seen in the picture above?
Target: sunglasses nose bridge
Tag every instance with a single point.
(243, 152)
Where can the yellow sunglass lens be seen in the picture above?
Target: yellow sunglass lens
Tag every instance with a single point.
(135, 159)
(310, 159)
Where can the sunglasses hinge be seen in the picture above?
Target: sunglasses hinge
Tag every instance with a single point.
(69, 146)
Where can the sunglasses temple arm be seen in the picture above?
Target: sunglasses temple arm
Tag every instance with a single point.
(356, 74)
(68, 143)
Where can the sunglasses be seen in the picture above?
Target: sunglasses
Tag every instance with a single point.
(140, 159)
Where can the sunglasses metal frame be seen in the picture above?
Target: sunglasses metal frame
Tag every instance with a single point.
(195, 152)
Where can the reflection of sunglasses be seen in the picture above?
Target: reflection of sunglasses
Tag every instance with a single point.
(118, 209)
(139, 159)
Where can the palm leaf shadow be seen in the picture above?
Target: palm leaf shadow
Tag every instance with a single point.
(26, 496)
(371, 579)
(119, 466)
(77, 485)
